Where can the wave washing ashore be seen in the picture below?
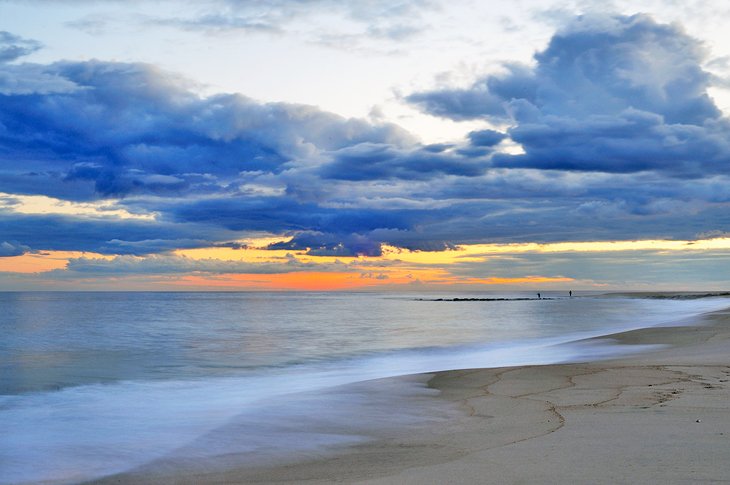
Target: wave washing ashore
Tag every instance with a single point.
(149, 384)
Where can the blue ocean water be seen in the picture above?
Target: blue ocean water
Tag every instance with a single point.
(93, 384)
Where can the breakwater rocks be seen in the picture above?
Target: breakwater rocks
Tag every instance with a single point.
(483, 299)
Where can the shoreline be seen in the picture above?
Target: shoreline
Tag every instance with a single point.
(661, 416)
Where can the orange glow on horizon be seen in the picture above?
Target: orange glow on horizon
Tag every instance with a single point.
(395, 268)
(318, 281)
(310, 281)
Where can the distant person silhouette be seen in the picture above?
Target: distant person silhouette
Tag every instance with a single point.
(570, 293)
(538, 296)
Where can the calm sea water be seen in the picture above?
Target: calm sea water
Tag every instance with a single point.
(93, 384)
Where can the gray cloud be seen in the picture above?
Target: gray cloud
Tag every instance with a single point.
(12, 248)
(162, 264)
(378, 19)
(13, 47)
(107, 236)
(590, 115)
(130, 128)
(617, 268)
(222, 22)
(367, 161)
(613, 94)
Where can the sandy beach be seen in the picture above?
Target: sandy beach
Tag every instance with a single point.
(658, 417)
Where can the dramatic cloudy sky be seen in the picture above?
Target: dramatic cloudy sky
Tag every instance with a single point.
(373, 144)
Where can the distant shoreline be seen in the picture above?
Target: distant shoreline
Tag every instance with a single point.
(647, 295)
(685, 295)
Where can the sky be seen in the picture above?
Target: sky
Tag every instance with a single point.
(403, 145)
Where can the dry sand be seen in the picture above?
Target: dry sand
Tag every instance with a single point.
(662, 417)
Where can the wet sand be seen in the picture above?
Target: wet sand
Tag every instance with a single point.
(660, 417)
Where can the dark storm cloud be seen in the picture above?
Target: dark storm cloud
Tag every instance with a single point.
(486, 138)
(280, 214)
(12, 248)
(614, 94)
(607, 98)
(322, 230)
(107, 236)
(598, 66)
(379, 162)
(632, 141)
(324, 244)
(488, 97)
(130, 128)
(459, 104)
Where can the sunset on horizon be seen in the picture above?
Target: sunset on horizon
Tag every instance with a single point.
(379, 242)
(356, 146)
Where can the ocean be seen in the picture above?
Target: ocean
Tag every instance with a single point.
(93, 384)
